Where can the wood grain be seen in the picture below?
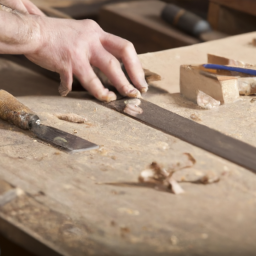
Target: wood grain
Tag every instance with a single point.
(91, 203)
(227, 19)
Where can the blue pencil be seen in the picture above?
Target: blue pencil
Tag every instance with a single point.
(236, 69)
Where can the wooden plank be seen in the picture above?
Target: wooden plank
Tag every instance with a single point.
(247, 6)
(72, 206)
(140, 23)
(213, 15)
(230, 21)
(78, 9)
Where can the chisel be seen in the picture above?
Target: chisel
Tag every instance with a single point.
(189, 23)
(16, 113)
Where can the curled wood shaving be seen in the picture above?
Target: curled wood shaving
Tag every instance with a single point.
(156, 174)
(176, 187)
(71, 117)
(151, 76)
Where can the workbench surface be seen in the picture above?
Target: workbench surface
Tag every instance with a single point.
(90, 203)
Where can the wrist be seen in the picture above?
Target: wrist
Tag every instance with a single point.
(19, 33)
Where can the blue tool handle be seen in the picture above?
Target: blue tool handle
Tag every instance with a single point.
(236, 69)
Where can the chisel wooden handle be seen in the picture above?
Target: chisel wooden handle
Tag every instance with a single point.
(185, 20)
(14, 112)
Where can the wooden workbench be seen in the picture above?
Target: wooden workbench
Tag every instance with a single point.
(82, 204)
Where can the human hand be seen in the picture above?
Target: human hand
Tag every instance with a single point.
(23, 6)
(71, 47)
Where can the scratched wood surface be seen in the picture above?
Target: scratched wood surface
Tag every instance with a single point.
(90, 203)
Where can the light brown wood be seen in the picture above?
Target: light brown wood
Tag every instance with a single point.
(194, 78)
(91, 203)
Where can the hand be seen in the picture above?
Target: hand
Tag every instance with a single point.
(72, 47)
(24, 6)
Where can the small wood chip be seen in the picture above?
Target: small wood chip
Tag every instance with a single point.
(71, 117)
(151, 76)
(195, 117)
(205, 101)
(175, 187)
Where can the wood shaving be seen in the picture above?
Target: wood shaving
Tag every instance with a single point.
(71, 117)
(211, 177)
(151, 76)
(156, 174)
(175, 187)
(195, 118)
(205, 101)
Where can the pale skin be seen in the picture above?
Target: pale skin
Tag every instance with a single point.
(70, 47)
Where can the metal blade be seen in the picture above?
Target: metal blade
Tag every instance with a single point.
(62, 139)
(187, 130)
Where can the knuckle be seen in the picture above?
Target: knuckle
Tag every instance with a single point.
(113, 62)
(128, 48)
(92, 24)
(92, 81)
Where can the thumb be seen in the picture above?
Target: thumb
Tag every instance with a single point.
(66, 80)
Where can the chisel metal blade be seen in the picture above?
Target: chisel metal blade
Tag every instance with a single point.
(62, 139)
(187, 130)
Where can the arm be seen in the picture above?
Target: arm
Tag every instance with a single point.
(70, 47)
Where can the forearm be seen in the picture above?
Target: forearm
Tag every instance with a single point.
(19, 32)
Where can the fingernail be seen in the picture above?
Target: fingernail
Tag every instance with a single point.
(144, 89)
(134, 93)
(63, 91)
(144, 85)
(109, 97)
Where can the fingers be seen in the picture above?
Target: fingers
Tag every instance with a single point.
(32, 9)
(91, 82)
(125, 51)
(66, 80)
(15, 5)
(111, 67)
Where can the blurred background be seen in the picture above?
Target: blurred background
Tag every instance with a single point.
(141, 21)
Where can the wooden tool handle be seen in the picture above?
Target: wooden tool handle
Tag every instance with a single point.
(14, 112)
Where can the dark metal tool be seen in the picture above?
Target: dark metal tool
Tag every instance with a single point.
(189, 23)
(16, 113)
(187, 130)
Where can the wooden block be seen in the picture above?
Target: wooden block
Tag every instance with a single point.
(194, 78)
(140, 23)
